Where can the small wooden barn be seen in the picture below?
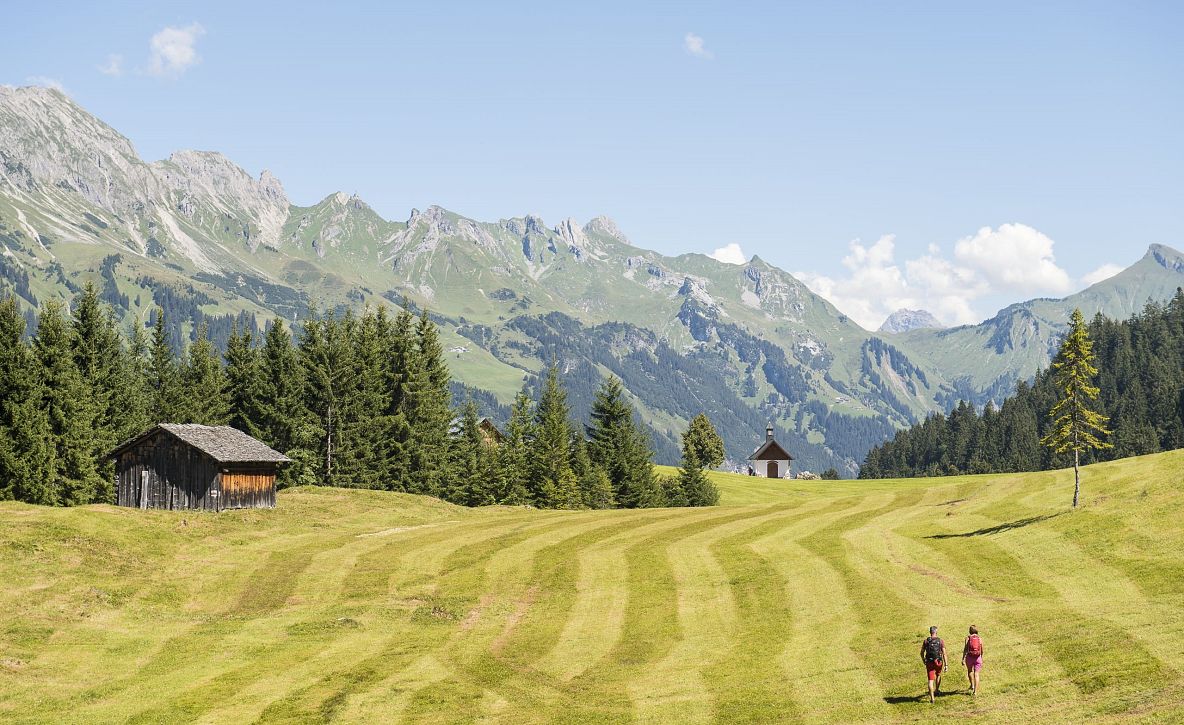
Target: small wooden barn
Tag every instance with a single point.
(770, 459)
(490, 435)
(189, 466)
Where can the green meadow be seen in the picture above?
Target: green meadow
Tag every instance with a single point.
(793, 601)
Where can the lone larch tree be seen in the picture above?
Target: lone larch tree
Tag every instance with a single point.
(1075, 426)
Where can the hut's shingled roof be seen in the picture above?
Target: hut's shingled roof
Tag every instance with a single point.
(220, 442)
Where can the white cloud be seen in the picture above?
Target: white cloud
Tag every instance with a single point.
(46, 82)
(1106, 271)
(694, 45)
(1014, 259)
(174, 50)
(729, 254)
(113, 66)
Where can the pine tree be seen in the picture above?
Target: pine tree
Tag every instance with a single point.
(113, 379)
(326, 357)
(429, 411)
(693, 487)
(244, 382)
(622, 449)
(596, 491)
(203, 381)
(402, 360)
(1075, 426)
(27, 456)
(470, 484)
(513, 455)
(552, 482)
(707, 445)
(283, 421)
(71, 409)
(164, 382)
(367, 425)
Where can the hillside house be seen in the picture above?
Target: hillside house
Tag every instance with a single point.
(770, 460)
(490, 435)
(189, 466)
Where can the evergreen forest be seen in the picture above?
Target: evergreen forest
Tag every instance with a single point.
(360, 400)
(1140, 376)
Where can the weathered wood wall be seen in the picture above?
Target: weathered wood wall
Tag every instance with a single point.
(248, 488)
(162, 472)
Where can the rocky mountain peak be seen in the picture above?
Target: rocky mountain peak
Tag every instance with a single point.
(47, 140)
(904, 320)
(573, 236)
(1166, 257)
(606, 227)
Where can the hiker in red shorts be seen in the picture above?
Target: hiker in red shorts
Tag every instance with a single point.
(933, 654)
(972, 657)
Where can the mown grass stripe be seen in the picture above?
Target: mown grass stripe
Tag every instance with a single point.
(454, 590)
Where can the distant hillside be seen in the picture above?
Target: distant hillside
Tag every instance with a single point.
(1140, 381)
(203, 239)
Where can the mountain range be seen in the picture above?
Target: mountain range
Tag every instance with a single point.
(746, 343)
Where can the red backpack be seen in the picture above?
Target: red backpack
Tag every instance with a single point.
(974, 646)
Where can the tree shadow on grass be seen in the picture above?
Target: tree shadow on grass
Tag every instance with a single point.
(998, 528)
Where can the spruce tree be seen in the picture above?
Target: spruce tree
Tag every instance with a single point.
(71, 409)
(596, 491)
(702, 438)
(283, 419)
(429, 411)
(111, 376)
(244, 382)
(622, 449)
(552, 482)
(326, 357)
(165, 395)
(1075, 426)
(470, 483)
(367, 426)
(203, 381)
(692, 486)
(402, 360)
(28, 458)
(513, 455)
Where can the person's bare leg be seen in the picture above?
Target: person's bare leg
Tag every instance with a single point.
(974, 685)
(931, 689)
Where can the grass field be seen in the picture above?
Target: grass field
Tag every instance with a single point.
(792, 601)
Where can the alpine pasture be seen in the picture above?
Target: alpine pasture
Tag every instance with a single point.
(792, 601)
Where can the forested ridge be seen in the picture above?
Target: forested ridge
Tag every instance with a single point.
(354, 399)
(1140, 365)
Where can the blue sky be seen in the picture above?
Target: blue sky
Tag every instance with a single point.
(888, 153)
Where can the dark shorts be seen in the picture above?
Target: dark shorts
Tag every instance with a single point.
(933, 669)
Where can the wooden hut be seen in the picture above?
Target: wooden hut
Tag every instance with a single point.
(490, 435)
(189, 466)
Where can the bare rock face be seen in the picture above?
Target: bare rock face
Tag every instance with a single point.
(573, 236)
(211, 182)
(606, 227)
(46, 140)
(904, 320)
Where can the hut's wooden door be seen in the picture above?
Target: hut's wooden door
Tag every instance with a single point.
(773, 470)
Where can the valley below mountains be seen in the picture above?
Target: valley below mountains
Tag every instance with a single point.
(198, 236)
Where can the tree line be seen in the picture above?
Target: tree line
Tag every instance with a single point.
(1140, 382)
(356, 400)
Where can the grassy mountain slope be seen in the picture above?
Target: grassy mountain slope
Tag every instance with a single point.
(801, 601)
(984, 361)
